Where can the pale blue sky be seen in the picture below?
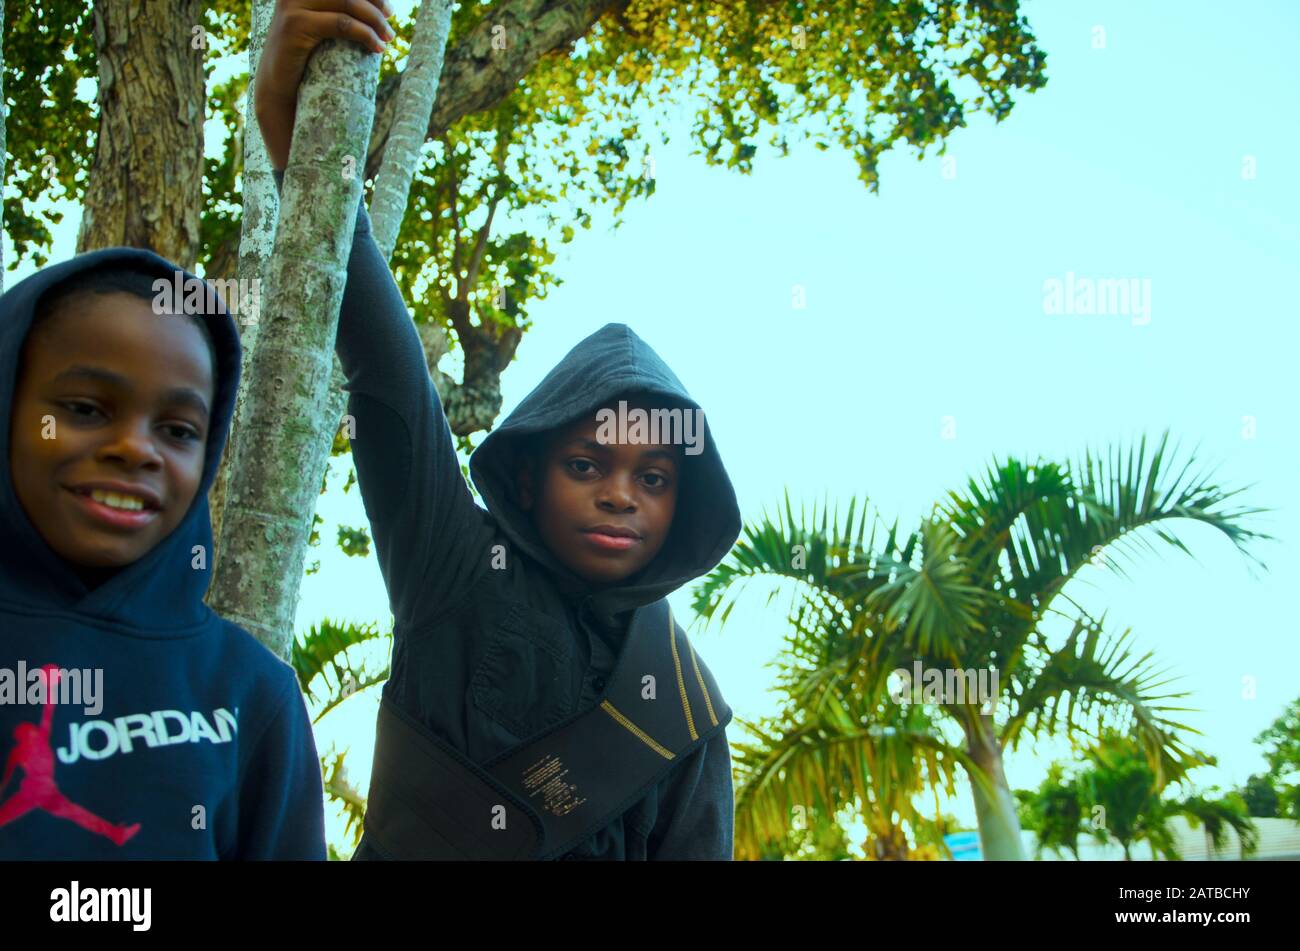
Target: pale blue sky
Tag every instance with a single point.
(926, 301)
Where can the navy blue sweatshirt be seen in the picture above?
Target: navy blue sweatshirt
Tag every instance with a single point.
(196, 743)
(494, 638)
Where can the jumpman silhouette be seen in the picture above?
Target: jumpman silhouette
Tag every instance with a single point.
(35, 755)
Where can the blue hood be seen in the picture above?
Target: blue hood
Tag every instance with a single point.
(161, 594)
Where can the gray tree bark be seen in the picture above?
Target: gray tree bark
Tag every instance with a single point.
(279, 458)
(415, 97)
(417, 92)
(261, 210)
(419, 88)
(146, 184)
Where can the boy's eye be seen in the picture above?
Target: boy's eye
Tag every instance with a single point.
(182, 433)
(655, 475)
(575, 464)
(81, 408)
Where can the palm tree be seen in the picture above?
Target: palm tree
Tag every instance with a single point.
(1130, 806)
(1218, 816)
(973, 587)
(800, 768)
(329, 672)
(1054, 811)
(1134, 808)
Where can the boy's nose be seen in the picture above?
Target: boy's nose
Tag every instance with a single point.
(617, 497)
(132, 444)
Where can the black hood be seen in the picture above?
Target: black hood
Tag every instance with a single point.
(161, 593)
(611, 362)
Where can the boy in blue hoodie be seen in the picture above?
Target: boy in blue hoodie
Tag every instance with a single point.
(134, 722)
(542, 702)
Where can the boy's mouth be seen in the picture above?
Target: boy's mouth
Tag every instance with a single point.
(612, 537)
(117, 505)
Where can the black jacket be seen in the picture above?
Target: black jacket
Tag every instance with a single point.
(484, 657)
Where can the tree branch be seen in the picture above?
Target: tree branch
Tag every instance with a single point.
(476, 77)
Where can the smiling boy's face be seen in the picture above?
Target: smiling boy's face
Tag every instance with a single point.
(604, 510)
(126, 394)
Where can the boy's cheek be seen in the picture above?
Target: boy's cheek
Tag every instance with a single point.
(26, 460)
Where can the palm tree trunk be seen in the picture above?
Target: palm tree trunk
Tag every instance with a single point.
(995, 812)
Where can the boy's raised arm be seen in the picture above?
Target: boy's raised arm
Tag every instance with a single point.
(421, 511)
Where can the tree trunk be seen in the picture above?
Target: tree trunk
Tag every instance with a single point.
(261, 209)
(995, 810)
(275, 478)
(419, 87)
(488, 349)
(146, 185)
(415, 96)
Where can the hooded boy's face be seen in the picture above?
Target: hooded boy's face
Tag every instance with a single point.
(603, 509)
(109, 427)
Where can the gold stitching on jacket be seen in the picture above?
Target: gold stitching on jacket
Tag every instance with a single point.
(708, 701)
(681, 684)
(635, 730)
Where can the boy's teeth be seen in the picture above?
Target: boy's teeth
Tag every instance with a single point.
(113, 500)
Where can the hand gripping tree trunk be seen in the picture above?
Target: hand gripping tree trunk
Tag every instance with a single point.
(486, 351)
(146, 184)
(415, 96)
(284, 442)
(261, 210)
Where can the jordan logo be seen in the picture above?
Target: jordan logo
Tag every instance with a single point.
(35, 755)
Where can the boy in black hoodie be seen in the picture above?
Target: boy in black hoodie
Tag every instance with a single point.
(542, 703)
(134, 722)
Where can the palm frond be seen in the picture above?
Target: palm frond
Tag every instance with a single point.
(339, 789)
(875, 764)
(995, 514)
(323, 652)
(1218, 816)
(1093, 678)
(1128, 499)
(804, 548)
(1029, 529)
(934, 604)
